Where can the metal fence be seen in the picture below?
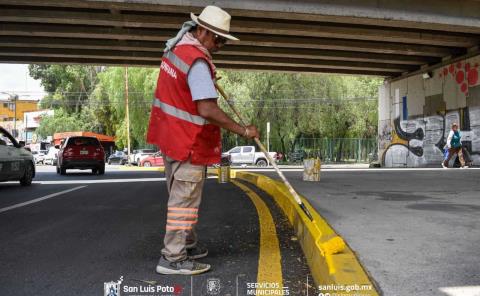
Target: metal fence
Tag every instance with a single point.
(346, 150)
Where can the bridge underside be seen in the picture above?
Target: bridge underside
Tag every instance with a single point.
(311, 36)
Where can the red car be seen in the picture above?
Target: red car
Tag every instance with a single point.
(81, 153)
(153, 160)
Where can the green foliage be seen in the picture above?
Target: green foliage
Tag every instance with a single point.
(141, 86)
(298, 106)
(68, 86)
(64, 122)
(304, 106)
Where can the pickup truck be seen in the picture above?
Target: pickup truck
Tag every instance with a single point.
(247, 155)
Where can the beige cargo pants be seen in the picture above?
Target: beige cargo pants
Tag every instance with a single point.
(184, 183)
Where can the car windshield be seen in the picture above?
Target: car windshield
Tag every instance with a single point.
(119, 153)
(235, 150)
(83, 142)
(4, 140)
(148, 151)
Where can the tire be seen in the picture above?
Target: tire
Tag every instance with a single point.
(147, 164)
(101, 170)
(262, 162)
(63, 171)
(58, 170)
(26, 180)
(123, 162)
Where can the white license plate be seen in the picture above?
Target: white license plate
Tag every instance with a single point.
(83, 152)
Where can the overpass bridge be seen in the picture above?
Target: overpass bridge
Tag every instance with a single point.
(383, 38)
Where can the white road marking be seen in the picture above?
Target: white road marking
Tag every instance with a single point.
(104, 181)
(461, 291)
(39, 199)
(362, 170)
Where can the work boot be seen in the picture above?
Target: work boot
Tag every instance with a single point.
(185, 267)
(197, 252)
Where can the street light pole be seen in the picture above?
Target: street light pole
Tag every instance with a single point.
(15, 97)
(127, 114)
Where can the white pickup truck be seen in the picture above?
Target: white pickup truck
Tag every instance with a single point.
(247, 155)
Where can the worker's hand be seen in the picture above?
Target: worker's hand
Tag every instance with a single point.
(251, 132)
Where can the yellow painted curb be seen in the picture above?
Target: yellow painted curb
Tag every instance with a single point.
(332, 273)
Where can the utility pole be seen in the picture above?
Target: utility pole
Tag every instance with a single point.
(127, 114)
(268, 139)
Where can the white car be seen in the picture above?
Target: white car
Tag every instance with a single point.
(16, 162)
(51, 157)
(39, 156)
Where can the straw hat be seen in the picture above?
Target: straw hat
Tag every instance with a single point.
(214, 19)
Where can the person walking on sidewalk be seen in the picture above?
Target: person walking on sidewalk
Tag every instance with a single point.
(454, 146)
(185, 124)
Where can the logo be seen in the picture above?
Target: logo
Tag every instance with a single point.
(169, 70)
(213, 286)
(112, 288)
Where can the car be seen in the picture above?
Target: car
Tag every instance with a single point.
(297, 155)
(140, 154)
(51, 156)
(39, 156)
(81, 153)
(16, 162)
(119, 157)
(152, 160)
(248, 155)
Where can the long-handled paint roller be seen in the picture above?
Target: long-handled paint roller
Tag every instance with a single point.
(270, 159)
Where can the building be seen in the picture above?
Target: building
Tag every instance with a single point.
(31, 121)
(12, 113)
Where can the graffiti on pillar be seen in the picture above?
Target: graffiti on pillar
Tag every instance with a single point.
(451, 95)
(424, 143)
(464, 73)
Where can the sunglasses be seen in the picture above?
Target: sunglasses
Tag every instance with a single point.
(219, 39)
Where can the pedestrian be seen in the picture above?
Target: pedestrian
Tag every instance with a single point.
(185, 124)
(454, 146)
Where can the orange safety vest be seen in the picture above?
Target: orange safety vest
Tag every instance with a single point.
(175, 125)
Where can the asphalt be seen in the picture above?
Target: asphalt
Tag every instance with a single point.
(104, 230)
(417, 232)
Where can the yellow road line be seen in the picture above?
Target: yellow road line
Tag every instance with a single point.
(269, 260)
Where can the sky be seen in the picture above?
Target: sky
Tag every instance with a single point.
(14, 78)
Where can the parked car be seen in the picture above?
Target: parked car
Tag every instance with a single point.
(119, 157)
(138, 155)
(39, 156)
(81, 153)
(51, 157)
(248, 155)
(152, 160)
(16, 162)
(297, 156)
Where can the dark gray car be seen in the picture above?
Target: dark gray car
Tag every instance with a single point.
(16, 162)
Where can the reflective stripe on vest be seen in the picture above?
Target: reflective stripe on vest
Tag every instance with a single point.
(177, 62)
(178, 113)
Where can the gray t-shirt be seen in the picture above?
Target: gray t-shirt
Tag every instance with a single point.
(200, 81)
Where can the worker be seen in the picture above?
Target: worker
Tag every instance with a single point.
(185, 124)
(454, 146)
